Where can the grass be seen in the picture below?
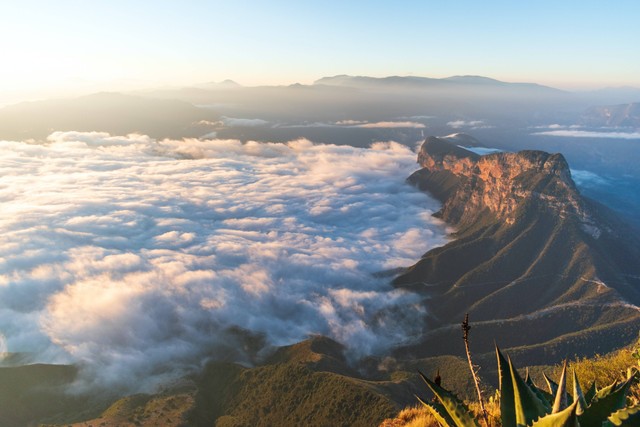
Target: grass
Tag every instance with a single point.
(601, 368)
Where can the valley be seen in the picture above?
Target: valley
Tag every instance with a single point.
(522, 227)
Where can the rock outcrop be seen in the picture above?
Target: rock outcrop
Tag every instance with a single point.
(530, 254)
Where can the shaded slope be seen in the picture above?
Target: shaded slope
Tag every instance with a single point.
(35, 393)
(535, 263)
(303, 384)
(309, 383)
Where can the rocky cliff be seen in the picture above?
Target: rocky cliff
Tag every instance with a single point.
(530, 254)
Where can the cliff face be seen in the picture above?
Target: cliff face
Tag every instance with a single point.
(500, 182)
(528, 246)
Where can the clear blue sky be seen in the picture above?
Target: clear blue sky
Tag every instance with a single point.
(75, 44)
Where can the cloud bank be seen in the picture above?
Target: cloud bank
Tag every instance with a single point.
(590, 134)
(584, 178)
(457, 124)
(364, 124)
(391, 125)
(139, 258)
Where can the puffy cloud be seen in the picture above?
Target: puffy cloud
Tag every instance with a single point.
(139, 258)
(457, 124)
(591, 134)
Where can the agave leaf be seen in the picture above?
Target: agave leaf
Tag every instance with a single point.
(606, 401)
(605, 391)
(507, 405)
(454, 407)
(578, 396)
(527, 405)
(627, 417)
(560, 402)
(553, 386)
(439, 413)
(545, 398)
(591, 393)
(565, 418)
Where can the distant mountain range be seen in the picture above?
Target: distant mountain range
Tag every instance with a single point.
(116, 113)
(176, 112)
(540, 268)
(622, 115)
(424, 83)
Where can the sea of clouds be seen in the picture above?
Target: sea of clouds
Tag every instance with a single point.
(141, 259)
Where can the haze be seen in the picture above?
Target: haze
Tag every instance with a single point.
(156, 215)
(71, 47)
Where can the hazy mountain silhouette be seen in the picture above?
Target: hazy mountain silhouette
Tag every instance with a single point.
(622, 115)
(104, 112)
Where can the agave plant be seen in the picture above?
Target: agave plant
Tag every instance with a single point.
(523, 404)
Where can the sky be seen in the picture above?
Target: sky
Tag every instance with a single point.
(78, 46)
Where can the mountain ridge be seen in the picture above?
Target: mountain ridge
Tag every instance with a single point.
(413, 82)
(527, 246)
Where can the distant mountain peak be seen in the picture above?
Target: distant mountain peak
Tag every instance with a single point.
(461, 138)
(474, 79)
(225, 84)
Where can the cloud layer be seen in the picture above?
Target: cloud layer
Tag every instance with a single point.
(591, 134)
(457, 124)
(129, 255)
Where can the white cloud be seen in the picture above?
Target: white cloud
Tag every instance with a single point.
(457, 124)
(362, 124)
(482, 150)
(416, 117)
(586, 178)
(238, 122)
(350, 122)
(590, 134)
(136, 257)
(391, 125)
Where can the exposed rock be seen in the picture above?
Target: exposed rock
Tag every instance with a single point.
(530, 251)
(500, 182)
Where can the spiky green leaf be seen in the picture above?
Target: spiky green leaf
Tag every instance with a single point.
(455, 408)
(578, 396)
(591, 393)
(626, 417)
(507, 404)
(545, 398)
(439, 413)
(607, 401)
(560, 401)
(527, 405)
(605, 391)
(552, 385)
(565, 418)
